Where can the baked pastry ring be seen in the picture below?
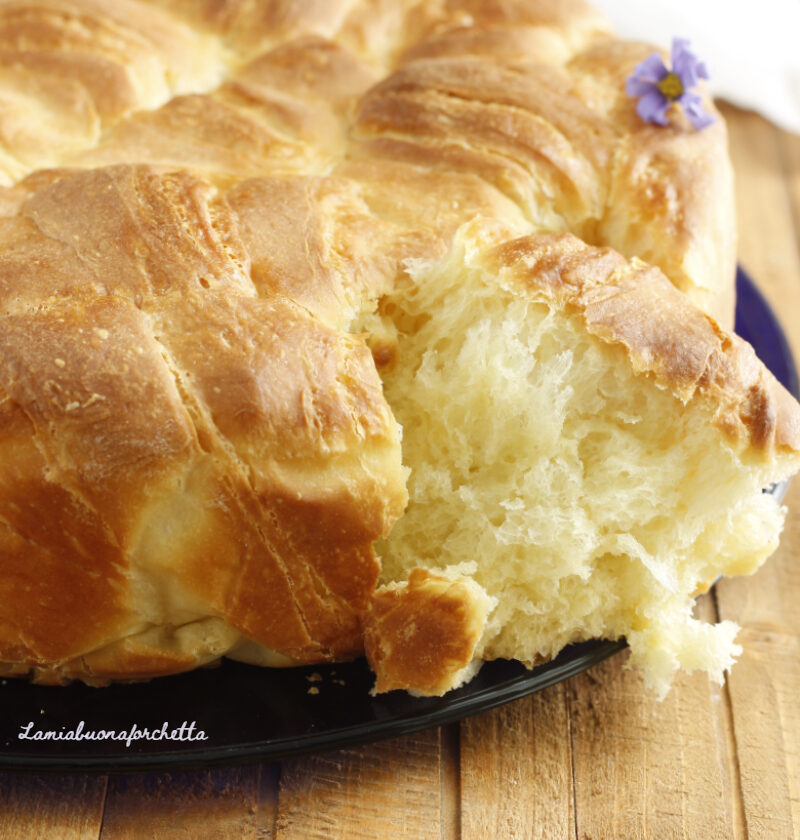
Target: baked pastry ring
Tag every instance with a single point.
(218, 224)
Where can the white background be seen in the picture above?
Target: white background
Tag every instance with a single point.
(752, 47)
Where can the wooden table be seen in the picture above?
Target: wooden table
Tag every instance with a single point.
(595, 757)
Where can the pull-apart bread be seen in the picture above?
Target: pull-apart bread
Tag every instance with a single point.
(363, 326)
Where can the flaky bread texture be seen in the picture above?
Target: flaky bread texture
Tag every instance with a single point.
(585, 445)
(208, 210)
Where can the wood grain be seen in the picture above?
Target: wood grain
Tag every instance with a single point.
(649, 769)
(768, 247)
(516, 770)
(790, 152)
(764, 685)
(391, 789)
(220, 804)
(55, 807)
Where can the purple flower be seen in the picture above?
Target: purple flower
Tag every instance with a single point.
(658, 87)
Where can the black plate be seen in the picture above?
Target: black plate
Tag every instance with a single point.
(254, 713)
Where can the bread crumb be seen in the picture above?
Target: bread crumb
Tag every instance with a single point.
(315, 677)
(313, 690)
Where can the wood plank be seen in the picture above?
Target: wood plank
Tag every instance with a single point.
(267, 812)
(450, 780)
(790, 151)
(767, 244)
(644, 768)
(764, 684)
(389, 789)
(516, 776)
(53, 806)
(219, 804)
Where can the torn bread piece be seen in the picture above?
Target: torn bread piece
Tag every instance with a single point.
(591, 440)
(421, 634)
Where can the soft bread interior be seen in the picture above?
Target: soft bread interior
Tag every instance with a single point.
(584, 497)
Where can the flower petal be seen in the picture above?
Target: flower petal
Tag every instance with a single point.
(652, 107)
(694, 109)
(654, 103)
(686, 65)
(638, 87)
(652, 69)
(680, 49)
(683, 60)
(701, 68)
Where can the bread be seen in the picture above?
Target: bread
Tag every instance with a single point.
(585, 445)
(234, 237)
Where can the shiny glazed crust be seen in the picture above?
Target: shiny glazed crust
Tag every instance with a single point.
(200, 200)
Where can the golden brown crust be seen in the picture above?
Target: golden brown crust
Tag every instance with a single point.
(553, 130)
(284, 112)
(419, 635)
(79, 461)
(182, 433)
(89, 63)
(525, 95)
(658, 206)
(634, 305)
(349, 255)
